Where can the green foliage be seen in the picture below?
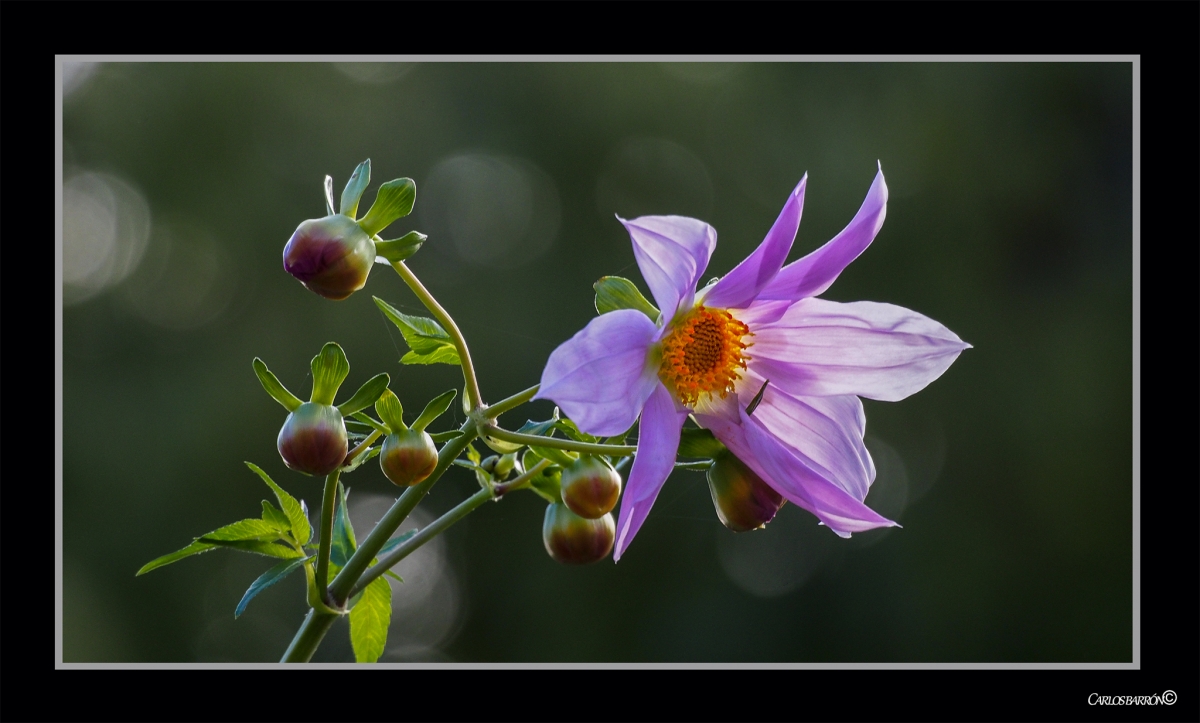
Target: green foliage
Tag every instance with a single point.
(391, 411)
(546, 429)
(354, 188)
(274, 387)
(395, 542)
(428, 341)
(296, 513)
(249, 535)
(499, 446)
(366, 394)
(343, 542)
(266, 580)
(699, 443)
(393, 201)
(615, 292)
(329, 369)
(436, 408)
(374, 424)
(193, 549)
(443, 437)
(363, 457)
(401, 248)
(273, 516)
(329, 195)
(369, 620)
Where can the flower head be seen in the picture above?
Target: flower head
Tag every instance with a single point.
(773, 372)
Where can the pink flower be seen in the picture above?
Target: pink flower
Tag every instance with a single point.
(759, 328)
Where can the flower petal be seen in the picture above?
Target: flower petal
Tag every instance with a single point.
(815, 272)
(601, 377)
(657, 442)
(672, 253)
(879, 351)
(741, 286)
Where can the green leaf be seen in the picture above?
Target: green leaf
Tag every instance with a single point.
(273, 516)
(694, 466)
(401, 248)
(329, 369)
(248, 529)
(296, 513)
(391, 411)
(266, 580)
(361, 459)
(393, 201)
(538, 428)
(369, 621)
(260, 547)
(568, 428)
(499, 446)
(393, 575)
(436, 408)
(558, 456)
(329, 195)
(699, 443)
(343, 540)
(429, 342)
(273, 386)
(615, 292)
(354, 188)
(443, 437)
(193, 549)
(366, 394)
(395, 542)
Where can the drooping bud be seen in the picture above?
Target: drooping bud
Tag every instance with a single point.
(313, 439)
(590, 487)
(332, 256)
(743, 501)
(408, 457)
(574, 540)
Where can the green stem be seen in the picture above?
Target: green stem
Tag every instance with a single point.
(430, 531)
(363, 445)
(339, 589)
(326, 532)
(512, 402)
(520, 482)
(308, 637)
(464, 356)
(533, 440)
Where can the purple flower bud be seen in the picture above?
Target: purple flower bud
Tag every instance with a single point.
(408, 457)
(331, 256)
(590, 488)
(313, 439)
(743, 500)
(574, 540)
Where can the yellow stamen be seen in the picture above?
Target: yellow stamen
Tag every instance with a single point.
(703, 354)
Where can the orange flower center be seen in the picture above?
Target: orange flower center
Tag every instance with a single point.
(703, 354)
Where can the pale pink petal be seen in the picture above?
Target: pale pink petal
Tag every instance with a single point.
(658, 439)
(815, 272)
(601, 377)
(741, 286)
(879, 351)
(672, 253)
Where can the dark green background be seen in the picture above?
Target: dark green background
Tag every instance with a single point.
(1009, 221)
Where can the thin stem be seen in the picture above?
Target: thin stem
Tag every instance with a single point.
(363, 445)
(326, 539)
(520, 482)
(430, 531)
(533, 440)
(512, 402)
(308, 637)
(464, 356)
(339, 589)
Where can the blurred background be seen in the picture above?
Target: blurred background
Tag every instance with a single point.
(1009, 221)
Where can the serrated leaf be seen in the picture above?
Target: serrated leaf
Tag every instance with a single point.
(274, 516)
(391, 411)
(248, 529)
(193, 549)
(297, 512)
(436, 408)
(260, 547)
(366, 394)
(615, 292)
(343, 540)
(429, 342)
(369, 620)
(329, 369)
(393, 201)
(443, 437)
(354, 188)
(395, 542)
(274, 387)
(266, 580)
(329, 195)
(698, 443)
(398, 249)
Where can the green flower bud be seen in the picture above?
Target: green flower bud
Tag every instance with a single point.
(313, 439)
(408, 457)
(574, 540)
(590, 487)
(743, 500)
(331, 256)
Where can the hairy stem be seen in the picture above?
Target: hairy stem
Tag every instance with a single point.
(512, 402)
(533, 440)
(326, 532)
(308, 637)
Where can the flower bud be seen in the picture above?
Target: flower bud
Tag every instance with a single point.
(313, 439)
(408, 457)
(574, 540)
(743, 500)
(590, 487)
(331, 256)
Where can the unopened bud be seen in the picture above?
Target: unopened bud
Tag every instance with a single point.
(408, 457)
(313, 439)
(574, 540)
(590, 487)
(743, 500)
(331, 256)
